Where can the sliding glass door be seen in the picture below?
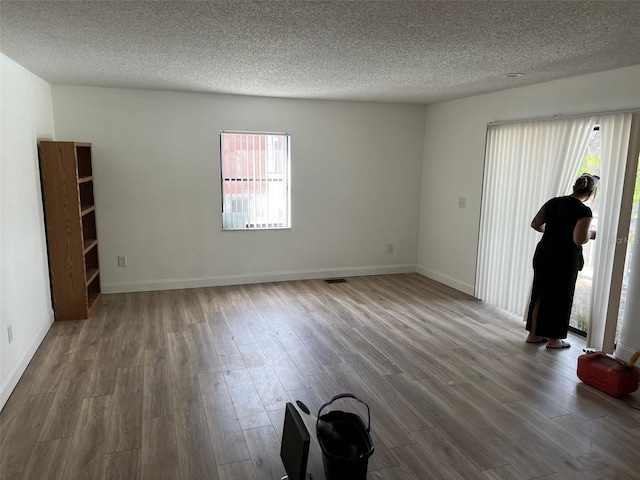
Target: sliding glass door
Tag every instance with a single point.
(580, 313)
(530, 162)
(582, 301)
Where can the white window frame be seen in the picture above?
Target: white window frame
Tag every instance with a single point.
(255, 180)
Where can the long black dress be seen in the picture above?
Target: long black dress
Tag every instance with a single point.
(555, 267)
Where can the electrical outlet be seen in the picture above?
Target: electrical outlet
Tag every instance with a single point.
(10, 333)
(122, 261)
(462, 202)
(390, 248)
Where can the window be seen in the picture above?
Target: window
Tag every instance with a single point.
(256, 180)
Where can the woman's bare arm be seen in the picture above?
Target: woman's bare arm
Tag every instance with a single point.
(539, 220)
(581, 232)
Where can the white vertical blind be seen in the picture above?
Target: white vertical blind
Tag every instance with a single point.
(526, 164)
(605, 294)
(255, 170)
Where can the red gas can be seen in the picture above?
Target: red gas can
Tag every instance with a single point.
(608, 374)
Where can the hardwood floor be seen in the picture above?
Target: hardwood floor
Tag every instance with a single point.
(192, 384)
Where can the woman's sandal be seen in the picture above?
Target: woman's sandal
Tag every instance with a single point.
(563, 344)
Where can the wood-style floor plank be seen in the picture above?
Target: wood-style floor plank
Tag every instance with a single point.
(48, 459)
(23, 434)
(158, 393)
(287, 372)
(503, 473)
(159, 449)
(192, 384)
(236, 471)
(227, 439)
(205, 357)
(271, 392)
(444, 454)
(86, 456)
(86, 347)
(624, 459)
(417, 463)
(264, 448)
(246, 400)
(195, 453)
(224, 344)
(393, 473)
(155, 327)
(125, 426)
(51, 372)
(551, 459)
(123, 465)
(65, 411)
(238, 327)
(183, 369)
(175, 319)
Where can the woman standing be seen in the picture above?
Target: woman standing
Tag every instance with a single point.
(565, 223)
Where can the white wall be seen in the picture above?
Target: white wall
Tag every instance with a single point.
(356, 170)
(454, 157)
(25, 301)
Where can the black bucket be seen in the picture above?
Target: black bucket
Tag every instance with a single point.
(345, 442)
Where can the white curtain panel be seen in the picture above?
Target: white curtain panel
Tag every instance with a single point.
(614, 134)
(526, 164)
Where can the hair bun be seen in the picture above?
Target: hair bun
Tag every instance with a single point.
(586, 183)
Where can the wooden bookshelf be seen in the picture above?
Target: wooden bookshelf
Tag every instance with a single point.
(66, 173)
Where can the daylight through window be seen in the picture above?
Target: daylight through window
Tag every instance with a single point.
(255, 170)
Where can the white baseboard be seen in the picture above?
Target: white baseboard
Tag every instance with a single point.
(446, 280)
(10, 382)
(222, 280)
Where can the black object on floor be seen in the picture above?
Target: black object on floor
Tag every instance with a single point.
(294, 450)
(345, 442)
(335, 280)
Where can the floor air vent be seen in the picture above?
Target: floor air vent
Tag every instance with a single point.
(335, 280)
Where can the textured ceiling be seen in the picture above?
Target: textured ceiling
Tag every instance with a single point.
(388, 51)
